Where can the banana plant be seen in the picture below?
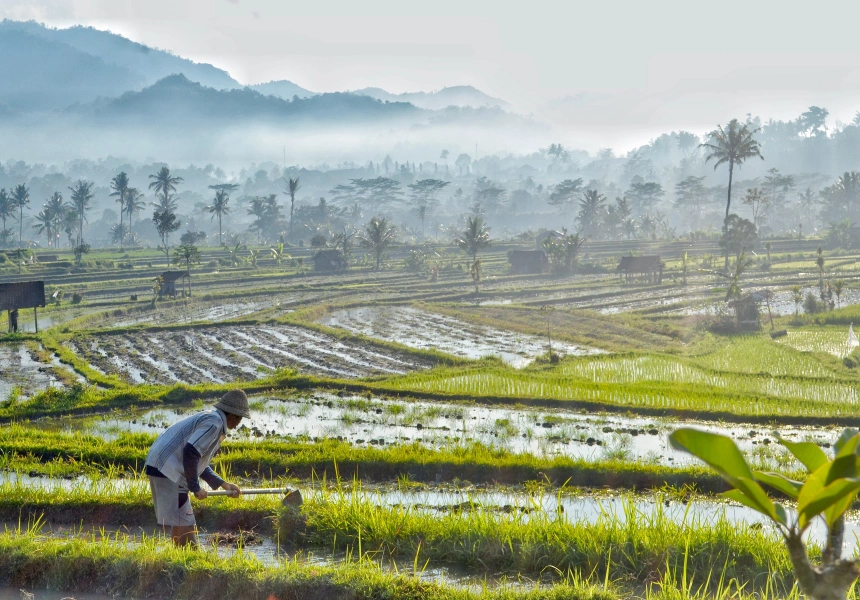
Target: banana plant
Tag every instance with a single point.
(830, 488)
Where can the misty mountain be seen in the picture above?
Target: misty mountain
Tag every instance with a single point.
(179, 101)
(39, 74)
(45, 68)
(459, 95)
(282, 89)
(147, 64)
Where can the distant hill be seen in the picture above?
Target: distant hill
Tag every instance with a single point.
(282, 89)
(44, 68)
(177, 100)
(39, 74)
(460, 95)
(148, 64)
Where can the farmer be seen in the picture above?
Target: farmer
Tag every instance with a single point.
(13, 320)
(180, 457)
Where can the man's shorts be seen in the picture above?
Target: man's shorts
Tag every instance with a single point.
(172, 503)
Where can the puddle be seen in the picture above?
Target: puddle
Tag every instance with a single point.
(429, 331)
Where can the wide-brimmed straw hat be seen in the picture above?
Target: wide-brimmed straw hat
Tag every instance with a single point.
(235, 402)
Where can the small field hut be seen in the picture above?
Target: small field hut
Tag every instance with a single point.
(24, 294)
(650, 267)
(330, 261)
(527, 262)
(168, 287)
(747, 310)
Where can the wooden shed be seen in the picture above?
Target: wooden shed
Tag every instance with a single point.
(330, 260)
(527, 262)
(168, 287)
(25, 294)
(646, 266)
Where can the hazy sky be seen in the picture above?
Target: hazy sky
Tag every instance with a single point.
(629, 69)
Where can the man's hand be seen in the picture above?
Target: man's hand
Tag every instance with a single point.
(201, 494)
(232, 487)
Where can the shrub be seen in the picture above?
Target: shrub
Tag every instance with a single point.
(77, 297)
(812, 306)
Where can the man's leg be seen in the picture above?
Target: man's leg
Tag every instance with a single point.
(173, 509)
(184, 535)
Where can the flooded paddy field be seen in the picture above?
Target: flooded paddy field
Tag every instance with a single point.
(22, 373)
(233, 353)
(424, 330)
(363, 421)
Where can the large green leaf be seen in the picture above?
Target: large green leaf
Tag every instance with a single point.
(723, 455)
(718, 451)
(844, 438)
(832, 495)
(781, 483)
(808, 453)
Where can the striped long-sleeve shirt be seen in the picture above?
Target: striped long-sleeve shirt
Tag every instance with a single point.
(205, 431)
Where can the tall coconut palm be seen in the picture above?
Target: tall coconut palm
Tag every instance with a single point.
(45, 224)
(21, 198)
(119, 185)
(219, 208)
(293, 186)
(81, 197)
(134, 203)
(7, 207)
(732, 145)
(164, 183)
(56, 210)
(474, 238)
(591, 212)
(378, 236)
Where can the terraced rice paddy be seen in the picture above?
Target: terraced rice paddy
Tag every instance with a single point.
(236, 353)
(427, 469)
(424, 330)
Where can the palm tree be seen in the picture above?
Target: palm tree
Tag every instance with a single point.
(81, 197)
(219, 208)
(293, 186)
(134, 203)
(474, 238)
(163, 183)
(377, 236)
(119, 185)
(7, 207)
(45, 224)
(819, 261)
(68, 221)
(591, 209)
(20, 199)
(118, 233)
(188, 254)
(732, 145)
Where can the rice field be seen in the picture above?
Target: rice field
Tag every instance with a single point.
(440, 450)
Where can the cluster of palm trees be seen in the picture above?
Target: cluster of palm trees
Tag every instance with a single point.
(56, 215)
(130, 201)
(12, 206)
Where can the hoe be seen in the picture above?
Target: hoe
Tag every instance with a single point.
(291, 497)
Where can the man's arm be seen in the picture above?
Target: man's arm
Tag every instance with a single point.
(190, 464)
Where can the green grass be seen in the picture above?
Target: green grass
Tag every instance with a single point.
(629, 544)
(269, 458)
(153, 569)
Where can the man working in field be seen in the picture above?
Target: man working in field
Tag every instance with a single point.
(180, 457)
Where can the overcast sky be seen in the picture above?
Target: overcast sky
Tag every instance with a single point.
(629, 69)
